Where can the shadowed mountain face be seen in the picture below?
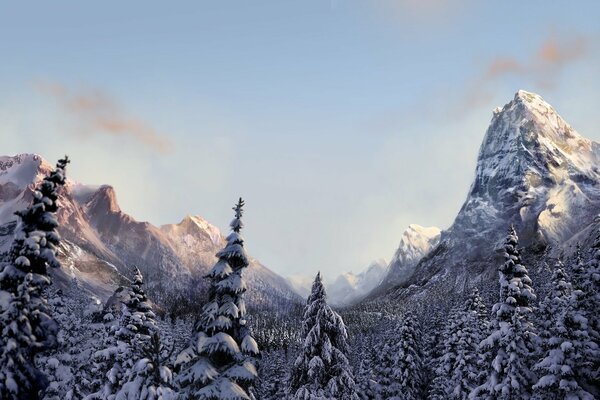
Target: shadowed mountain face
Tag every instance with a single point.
(533, 171)
(101, 243)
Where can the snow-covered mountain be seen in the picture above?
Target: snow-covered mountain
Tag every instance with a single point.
(348, 287)
(101, 242)
(533, 171)
(415, 243)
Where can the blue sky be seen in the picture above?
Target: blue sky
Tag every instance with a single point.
(340, 122)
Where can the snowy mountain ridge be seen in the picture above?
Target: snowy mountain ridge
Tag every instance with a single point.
(101, 243)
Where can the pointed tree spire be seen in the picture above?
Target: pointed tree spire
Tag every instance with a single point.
(220, 361)
(322, 370)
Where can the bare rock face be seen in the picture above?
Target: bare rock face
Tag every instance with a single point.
(101, 243)
(534, 171)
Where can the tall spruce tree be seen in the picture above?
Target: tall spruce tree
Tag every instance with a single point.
(26, 326)
(220, 361)
(322, 370)
(565, 367)
(510, 346)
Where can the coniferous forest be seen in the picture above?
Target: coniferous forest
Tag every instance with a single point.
(516, 338)
(300, 200)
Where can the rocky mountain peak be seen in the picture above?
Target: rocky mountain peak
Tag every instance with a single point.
(533, 167)
(415, 242)
(104, 201)
(194, 226)
(527, 140)
(534, 171)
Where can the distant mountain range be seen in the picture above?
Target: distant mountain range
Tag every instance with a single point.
(534, 171)
(347, 288)
(101, 243)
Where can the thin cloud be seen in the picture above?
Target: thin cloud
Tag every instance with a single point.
(502, 66)
(543, 67)
(97, 113)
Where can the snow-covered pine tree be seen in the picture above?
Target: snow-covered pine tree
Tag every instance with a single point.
(106, 351)
(26, 328)
(407, 373)
(364, 371)
(459, 367)
(383, 366)
(151, 378)
(434, 330)
(138, 322)
(586, 279)
(593, 286)
(67, 365)
(565, 366)
(511, 343)
(481, 324)
(274, 369)
(132, 334)
(322, 370)
(443, 363)
(220, 361)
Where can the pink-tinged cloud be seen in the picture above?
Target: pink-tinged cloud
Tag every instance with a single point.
(557, 53)
(543, 67)
(502, 66)
(544, 64)
(97, 113)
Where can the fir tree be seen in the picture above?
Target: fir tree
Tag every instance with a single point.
(220, 361)
(407, 372)
(106, 351)
(25, 324)
(511, 343)
(322, 369)
(384, 363)
(459, 367)
(65, 365)
(586, 279)
(125, 343)
(458, 371)
(566, 365)
(151, 378)
(364, 372)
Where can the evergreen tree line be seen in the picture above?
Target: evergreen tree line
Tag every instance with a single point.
(515, 351)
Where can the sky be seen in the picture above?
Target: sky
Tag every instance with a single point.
(340, 122)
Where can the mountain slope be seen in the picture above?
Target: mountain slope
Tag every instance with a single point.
(533, 171)
(415, 243)
(101, 243)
